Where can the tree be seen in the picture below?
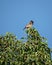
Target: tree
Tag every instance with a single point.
(34, 51)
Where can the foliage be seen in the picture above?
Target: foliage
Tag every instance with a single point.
(34, 51)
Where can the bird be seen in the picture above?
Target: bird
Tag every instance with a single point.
(29, 25)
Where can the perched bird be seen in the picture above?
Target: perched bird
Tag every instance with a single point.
(29, 25)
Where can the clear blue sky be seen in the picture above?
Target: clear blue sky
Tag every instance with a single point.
(15, 14)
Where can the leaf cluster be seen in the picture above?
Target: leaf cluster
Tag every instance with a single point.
(34, 51)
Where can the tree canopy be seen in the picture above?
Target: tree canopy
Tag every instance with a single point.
(34, 51)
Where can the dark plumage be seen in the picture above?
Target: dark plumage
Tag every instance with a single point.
(32, 22)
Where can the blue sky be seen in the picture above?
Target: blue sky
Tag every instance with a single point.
(15, 14)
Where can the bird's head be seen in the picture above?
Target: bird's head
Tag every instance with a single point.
(31, 22)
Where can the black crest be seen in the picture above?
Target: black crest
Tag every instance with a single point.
(32, 21)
